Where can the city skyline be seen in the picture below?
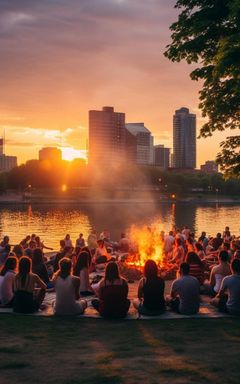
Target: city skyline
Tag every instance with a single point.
(61, 59)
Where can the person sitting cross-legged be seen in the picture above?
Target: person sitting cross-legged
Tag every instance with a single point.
(112, 299)
(150, 300)
(185, 295)
(228, 298)
(67, 290)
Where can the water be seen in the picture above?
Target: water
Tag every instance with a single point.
(52, 222)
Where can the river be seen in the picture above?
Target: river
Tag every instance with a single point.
(52, 222)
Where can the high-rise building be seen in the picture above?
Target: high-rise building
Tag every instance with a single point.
(107, 137)
(161, 156)
(210, 166)
(6, 162)
(50, 154)
(184, 139)
(144, 140)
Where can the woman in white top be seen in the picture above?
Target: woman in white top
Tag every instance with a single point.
(8, 274)
(67, 289)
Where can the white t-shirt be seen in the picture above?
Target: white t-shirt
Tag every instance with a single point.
(7, 287)
(232, 285)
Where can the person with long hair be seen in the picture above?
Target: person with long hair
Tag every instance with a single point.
(218, 272)
(196, 266)
(7, 275)
(27, 298)
(38, 265)
(81, 270)
(67, 290)
(150, 300)
(112, 299)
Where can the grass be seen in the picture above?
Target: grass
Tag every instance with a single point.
(88, 351)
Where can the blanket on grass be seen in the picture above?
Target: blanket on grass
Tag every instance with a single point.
(206, 311)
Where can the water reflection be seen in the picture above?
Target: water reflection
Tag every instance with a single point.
(53, 222)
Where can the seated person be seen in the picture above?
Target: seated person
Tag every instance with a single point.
(8, 274)
(196, 266)
(124, 244)
(101, 255)
(150, 300)
(228, 298)
(27, 298)
(112, 299)
(81, 270)
(67, 290)
(218, 272)
(185, 292)
(39, 267)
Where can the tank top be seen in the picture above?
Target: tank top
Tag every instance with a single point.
(113, 302)
(153, 294)
(65, 297)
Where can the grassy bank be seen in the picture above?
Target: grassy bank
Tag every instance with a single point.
(72, 351)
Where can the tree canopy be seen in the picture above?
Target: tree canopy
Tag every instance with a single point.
(208, 33)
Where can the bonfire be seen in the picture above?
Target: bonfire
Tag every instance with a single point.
(148, 244)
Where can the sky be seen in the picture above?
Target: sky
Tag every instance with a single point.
(61, 58)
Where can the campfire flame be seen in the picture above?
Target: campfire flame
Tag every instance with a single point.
(147, 244)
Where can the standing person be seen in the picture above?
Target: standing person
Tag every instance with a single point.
(81, 270)
(67, 290)
(27, 298)
(185, 293)
(151, 287)
(228, 298)
(8, 274)
(112, 299)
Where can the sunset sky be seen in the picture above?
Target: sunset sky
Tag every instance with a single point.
(60, 58)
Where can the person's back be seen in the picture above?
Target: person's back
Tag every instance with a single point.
(113, 299)
(7, 287)
(197, 271)
(186, 288)
(153, 294)
(67, 291)
(25, 284)
(65, 296)
(232, 285)
(219, 272)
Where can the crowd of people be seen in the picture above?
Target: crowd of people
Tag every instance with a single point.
(206, 265)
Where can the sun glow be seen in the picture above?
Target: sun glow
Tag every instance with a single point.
(69, 153)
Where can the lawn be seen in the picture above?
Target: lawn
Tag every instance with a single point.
(72, 351)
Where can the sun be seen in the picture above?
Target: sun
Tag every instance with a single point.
(69, 153)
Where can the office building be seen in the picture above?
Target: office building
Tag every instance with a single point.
(144, 140)
(184, 139)
(52, 154)
(161, 156)
(6, 162)
(107, 137)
